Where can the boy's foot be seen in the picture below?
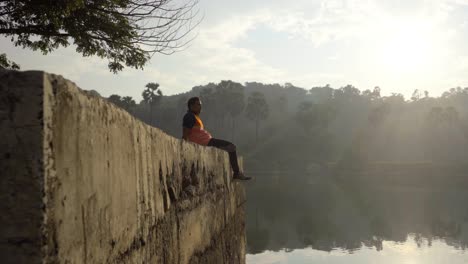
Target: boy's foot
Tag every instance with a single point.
(241, 176)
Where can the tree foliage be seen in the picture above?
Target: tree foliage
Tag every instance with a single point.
(225, 102)
(324, 124)
(311, 116)
(257, 109)
(115, 99)
(5, 63)
(125, 102)
(126, 32)
(128, 102)
(151, 96)
(234, 103)
(234, 94)
(152, 93)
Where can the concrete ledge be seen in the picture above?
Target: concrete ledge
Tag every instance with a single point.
(85, 182)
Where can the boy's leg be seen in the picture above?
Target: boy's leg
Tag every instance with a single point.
(230, 148)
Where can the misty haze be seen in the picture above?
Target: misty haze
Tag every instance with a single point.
(351, 117)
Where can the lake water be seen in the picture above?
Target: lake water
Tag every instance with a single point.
(313, 219)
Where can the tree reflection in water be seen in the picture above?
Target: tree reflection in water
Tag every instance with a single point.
(288, 213)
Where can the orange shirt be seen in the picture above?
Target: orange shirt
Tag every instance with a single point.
(197, 132)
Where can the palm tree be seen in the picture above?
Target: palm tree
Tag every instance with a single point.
(151, 95)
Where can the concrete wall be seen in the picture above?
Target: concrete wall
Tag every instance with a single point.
(85, 182)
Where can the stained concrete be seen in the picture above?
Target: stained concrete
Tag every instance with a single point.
(85, 182)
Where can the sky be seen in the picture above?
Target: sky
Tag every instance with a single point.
(398, 45)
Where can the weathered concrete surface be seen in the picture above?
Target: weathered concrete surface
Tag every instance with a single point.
(84, 182)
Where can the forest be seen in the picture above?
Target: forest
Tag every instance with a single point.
(288, 128)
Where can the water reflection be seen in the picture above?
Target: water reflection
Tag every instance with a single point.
(288, 212)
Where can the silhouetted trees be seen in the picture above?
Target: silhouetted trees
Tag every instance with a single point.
(234, 103)
(128, 103)
(303, 128)
(5, 63)
(125, 102)
(151, 96)
(313, 117)
(115, 99)
(257, 110)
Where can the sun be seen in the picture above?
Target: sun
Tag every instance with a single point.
(407, 49)
(407, 46)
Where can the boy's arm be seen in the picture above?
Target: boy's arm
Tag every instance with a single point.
(187, 124)
(185, 133)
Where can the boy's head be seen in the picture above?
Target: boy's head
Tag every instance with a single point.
(194, 105)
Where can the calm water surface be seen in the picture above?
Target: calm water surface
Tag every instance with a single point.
(313, 219)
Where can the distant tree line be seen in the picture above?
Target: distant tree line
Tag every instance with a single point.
(284, 127)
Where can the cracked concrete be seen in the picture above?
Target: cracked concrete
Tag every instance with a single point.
(85, 182)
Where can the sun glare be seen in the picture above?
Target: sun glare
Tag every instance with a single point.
(407, 47)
